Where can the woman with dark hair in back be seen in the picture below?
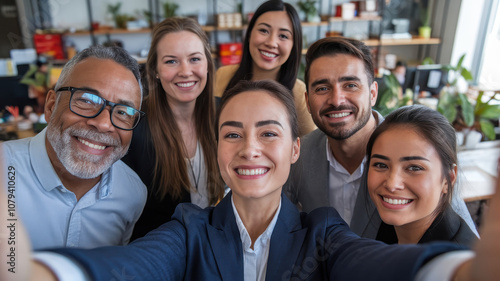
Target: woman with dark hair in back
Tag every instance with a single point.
(272, 50)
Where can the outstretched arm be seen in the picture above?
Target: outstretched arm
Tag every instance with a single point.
(486, 265)
(42, 273)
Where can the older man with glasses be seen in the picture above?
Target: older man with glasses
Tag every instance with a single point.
(67, 183)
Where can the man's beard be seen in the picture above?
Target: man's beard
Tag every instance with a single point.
(79, 163)
(337, 130)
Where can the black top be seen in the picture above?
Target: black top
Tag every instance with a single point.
(447, 226)
(141, 158)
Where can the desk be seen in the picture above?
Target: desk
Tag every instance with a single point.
(12, 128)
(478, 171)
(25, 133)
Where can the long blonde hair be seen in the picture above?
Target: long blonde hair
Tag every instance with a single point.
(170, 167)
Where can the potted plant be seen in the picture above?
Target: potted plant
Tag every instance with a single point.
(114, 11)
(308, 7)
(170, 9)
(424, 30)
(38, 80)
(391, 96)
(470, 112)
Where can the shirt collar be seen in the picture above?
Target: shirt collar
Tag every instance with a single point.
(46, 174)
(336, 166)
(245, 237)
(41, 164)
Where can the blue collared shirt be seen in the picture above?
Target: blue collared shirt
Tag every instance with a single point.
(255, 260)
(53, 216)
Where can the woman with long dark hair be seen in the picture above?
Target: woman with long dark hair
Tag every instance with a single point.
(272, 50)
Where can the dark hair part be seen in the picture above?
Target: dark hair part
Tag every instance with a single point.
(116, 54)
(432, 126)
(330, 46)
(274, 89)
(288, 71)
(170, 165)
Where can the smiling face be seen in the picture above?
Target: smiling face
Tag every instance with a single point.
(182, 66)
(340, 98)
(86, 147)
(405, 178)
(255, 147)
(271, 41)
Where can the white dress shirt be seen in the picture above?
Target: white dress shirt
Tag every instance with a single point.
(255, 260)
(343, 186)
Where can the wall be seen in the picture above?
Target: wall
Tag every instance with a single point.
(489, 71)
(467, 30)
(73, 13)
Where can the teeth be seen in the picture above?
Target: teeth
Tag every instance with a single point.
(396, 201)
(91, 145)
(338, 115)
(252, 172)
(270, 55)
(185, 85)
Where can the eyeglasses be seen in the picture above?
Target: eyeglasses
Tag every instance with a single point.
(86, 103)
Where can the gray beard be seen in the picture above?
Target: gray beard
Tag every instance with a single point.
(79, 163)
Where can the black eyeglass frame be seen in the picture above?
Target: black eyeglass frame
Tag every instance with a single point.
(72, 90)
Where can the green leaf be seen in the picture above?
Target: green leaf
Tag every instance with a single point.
(447, 106)
(450, 113)
(460, 61)
(489, 111)
(479, 100)
(447, 68)
(487, 128)
(467, 110)
(392, 82)
(404, 101)
(466, 74)
(384, 99)
(428, 60)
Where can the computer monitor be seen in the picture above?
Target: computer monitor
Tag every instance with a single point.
(430, 78)
(13, 92)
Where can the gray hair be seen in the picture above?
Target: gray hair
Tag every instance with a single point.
(116, 54)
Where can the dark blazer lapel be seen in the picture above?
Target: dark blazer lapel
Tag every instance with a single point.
(367, 220)
(286, 242)
(225, 241)
(443, 228)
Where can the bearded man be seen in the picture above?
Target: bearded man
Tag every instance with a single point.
(67, 183)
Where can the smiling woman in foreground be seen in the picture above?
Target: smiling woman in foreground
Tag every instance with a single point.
(411, 174)
(255, 233)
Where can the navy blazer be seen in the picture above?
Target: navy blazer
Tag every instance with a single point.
(205, 244)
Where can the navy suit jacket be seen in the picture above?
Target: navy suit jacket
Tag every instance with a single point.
(204, 244)
(447, 226)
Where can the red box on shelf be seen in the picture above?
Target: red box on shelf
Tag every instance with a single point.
(230, 53)
(49, 45)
